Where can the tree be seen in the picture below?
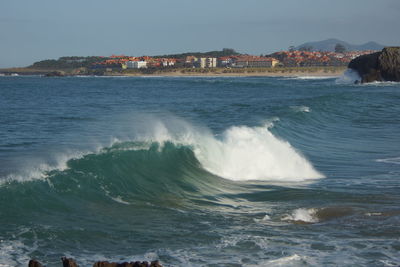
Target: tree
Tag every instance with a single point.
(307, 48)
(339, 48)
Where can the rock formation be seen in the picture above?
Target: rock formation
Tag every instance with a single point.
(68, 262)
(56, 73)
(380, 66)
(34, 263)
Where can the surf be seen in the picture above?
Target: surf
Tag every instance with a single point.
(239, 153)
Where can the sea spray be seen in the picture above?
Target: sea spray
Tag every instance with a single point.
(350, 76)
(240, 153)
(246, 153)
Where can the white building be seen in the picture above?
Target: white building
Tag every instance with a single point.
(167, 62)
(136, 64)
(207, 62)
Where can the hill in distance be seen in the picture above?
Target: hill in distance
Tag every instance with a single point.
(329, 45)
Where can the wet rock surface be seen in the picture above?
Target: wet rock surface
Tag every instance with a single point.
(380, 66)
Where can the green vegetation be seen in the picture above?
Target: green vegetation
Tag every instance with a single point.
(307, 48)
(66, 63)
(339, 48)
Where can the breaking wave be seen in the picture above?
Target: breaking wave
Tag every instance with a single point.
(239, 153)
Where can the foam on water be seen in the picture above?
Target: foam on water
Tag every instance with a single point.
(241, 152)
(39, 171)
(300, 109)
(314, 77)
(395, 160)
(284, 261)
(14, 253)
(302, 215)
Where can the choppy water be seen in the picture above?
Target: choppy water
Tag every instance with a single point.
(200, 171)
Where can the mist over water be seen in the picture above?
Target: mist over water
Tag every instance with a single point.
(350, 76)
(199, 171)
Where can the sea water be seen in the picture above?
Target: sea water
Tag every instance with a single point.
(200, 171)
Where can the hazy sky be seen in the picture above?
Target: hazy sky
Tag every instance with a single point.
(32, 30)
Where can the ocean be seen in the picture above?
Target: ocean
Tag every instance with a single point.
(200, 171)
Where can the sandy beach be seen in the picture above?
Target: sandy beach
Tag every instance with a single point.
(184, 72)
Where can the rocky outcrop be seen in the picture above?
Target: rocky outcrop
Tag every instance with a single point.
(68, 262)
(380, 66)
(34, 263)
(389, 64)
(71, 263)
(55, 73)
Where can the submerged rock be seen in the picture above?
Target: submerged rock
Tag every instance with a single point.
(380, 66)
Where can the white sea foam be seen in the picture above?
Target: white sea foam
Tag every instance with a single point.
(302, 215)
(315, 77)
(300, 109)
(284, 261)
(241, 152)
(39, 171)
(14, 253)
(390, 160)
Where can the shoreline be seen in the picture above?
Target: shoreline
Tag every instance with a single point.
(217, 72)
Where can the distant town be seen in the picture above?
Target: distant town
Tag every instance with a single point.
(281, 59)
(227, 61)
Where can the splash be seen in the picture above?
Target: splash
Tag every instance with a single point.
(302, 215)
(350, 76)
(240, 153)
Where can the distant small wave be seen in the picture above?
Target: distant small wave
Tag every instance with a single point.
(301, 109)
(390, 160)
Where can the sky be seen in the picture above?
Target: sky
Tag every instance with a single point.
(33, 30)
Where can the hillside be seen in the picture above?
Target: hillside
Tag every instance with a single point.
(329, 45)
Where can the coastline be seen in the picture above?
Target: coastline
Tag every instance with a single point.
(183, 72)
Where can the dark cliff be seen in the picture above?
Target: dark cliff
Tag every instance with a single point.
(380, 66)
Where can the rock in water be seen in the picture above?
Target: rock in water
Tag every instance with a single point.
(68, 262)
(389, 64)
(34, 263)
(380, 66)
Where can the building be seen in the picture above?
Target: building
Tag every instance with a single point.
(206, 62)
(226, 62)
(168, 62)
(255, 62)
(136, 64)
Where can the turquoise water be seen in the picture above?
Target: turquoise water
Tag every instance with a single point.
(200, 171)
